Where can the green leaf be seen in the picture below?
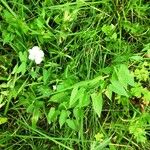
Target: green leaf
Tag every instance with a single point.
(72, 124)
(23, 56)
(118, 88)
(138, 131)
(136, 58)
(44, 90)
(46, 75)
(137, 90)
(78, 113)
(39, 104)
(3, 120)
(30, 108)
(22, 68)
(63, 105)
(7, 37)
(124, 76)
(114, 36)
(35, 117)
(63, 117)
(59, 97)
(108, 93)
(97, 102)
(81, 98)
(51, 115)
(146, 94)
(73, 97)
(39, 22)
(108, 29)
(84, 100)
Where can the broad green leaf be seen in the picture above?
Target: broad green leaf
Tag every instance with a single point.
(124, 76)
(73, 97)
(3, 120)
(63, 105)
(72, 124)
(78, 113)
(23, 56)
(118, 88)
(51, 115)
(114, 75)
(108, 93)
(59, 97)
(63, 117)
(35, 117)
(84, 99)
(97, 102)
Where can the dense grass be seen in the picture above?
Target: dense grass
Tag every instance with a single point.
(96, 54)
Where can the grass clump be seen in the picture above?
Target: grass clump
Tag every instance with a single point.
(91, 90)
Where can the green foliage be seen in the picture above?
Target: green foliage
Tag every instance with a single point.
(63, 117)
(120, 80)
(3, 120)
(97, 102)
(92, 89)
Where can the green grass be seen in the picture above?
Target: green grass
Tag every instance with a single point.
(96, 54)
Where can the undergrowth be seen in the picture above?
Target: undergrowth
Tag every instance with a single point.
(91, 91)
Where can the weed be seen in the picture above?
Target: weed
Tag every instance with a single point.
(91, 88)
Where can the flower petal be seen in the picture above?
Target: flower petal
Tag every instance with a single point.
(38, 60)
(36, 54)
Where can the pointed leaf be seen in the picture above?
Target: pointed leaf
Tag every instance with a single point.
(84, 100)
(51, 115)
(59, 97)
(78, 113)
(63, 117)
(23, 56)
(97, 102)
(124, 76)
(73, 98)
(118, 88)
(35, 117)
(72, 124)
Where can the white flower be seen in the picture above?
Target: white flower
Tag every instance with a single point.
(54, 87)
(36, 54)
